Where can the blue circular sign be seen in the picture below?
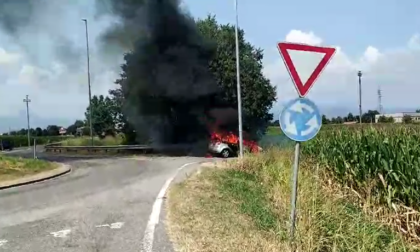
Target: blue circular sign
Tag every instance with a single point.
(300, 120)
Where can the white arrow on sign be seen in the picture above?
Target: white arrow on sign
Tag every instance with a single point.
(299, 107)
(313, 124)
(290, 127)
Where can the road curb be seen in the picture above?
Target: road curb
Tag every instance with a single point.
(61, 170)
(193, 169)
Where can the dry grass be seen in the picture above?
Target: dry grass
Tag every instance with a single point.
(14, 168)
(246, 208)
(86, 141)
(204, 219)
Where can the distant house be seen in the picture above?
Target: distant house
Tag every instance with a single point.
(79, 131)
(398, 117)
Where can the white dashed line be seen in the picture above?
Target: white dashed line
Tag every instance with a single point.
(61, 233)
(116, 225)
(2, 242)
(149, 233)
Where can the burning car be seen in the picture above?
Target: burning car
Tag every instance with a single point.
(227, 145)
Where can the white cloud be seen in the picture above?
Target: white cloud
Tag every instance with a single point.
(55, 92)
(395, 70)
(414, 42)
(302, 37)
(7, 58)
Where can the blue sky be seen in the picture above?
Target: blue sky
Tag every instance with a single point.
(379, 37)
(353, 25)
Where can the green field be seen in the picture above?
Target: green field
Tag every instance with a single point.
(383, 157)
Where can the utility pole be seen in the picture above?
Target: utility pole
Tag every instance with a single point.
(380, 100)
(238, 85)
(360, 95)
(88, 73)
(27, 100)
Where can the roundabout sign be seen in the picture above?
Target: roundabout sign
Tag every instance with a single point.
(300, 120)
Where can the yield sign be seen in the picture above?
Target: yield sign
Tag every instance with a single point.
(303, 88)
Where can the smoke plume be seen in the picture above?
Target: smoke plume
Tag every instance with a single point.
(32, 23)
(170, 93)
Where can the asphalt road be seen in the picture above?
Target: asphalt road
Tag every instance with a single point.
(102, 205)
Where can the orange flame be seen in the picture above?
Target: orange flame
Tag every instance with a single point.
(230, 138)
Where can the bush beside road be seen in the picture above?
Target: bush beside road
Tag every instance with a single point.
(86, 141)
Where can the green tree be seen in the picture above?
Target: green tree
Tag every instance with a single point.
(325, 120)
(73, 128)
(369, 116)
(38, 131)
(350, 118)
(407, 119)
(385, 119)
(52, 130)
(102, 117)
(258, 94)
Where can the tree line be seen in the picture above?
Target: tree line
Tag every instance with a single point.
(258, 94)
(51, 130)
(368, 117)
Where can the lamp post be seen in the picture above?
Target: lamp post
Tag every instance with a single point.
(88, 73)
(360, 95)
(238, 84)
(27, 100)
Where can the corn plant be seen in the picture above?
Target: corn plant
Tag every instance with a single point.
(385, 158)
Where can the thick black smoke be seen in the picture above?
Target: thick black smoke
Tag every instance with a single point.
(170, 92)
(128, 27)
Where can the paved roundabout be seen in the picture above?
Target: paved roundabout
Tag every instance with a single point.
(103, 204)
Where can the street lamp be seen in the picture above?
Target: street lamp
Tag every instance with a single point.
(88, 73)
(238, 84)
(27, 100)
(360, 95)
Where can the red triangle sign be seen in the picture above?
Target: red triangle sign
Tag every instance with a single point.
(303, 88)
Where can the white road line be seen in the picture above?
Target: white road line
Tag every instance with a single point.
(104, 225)
(115, 225)
(2, 242)
(61, 233)
(149, 233)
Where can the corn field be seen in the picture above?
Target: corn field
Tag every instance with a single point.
(383, 158)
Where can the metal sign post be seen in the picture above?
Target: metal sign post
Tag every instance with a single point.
(301, 119)
(35, 157)
(294, 190)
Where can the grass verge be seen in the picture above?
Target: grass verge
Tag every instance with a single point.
(14, 168)
(86, 141)
(247, 209)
